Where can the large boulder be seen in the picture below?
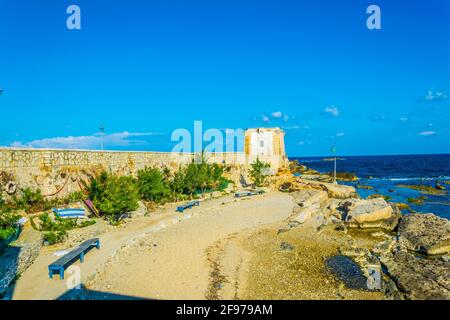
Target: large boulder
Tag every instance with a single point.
(418, 278)
(373, 213)
(425, 233)
(309, 202)
(305, 198)
(333, 190)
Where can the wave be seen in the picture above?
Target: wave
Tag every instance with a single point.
(440, 178)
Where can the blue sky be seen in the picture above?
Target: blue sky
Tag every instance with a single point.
(145, 68)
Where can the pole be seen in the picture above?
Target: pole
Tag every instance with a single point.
(335, 169)
(102, 130)
(333, 149)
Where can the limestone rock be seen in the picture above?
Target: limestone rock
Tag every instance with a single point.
(140, 211)
(373, 213)
(302, 214)
(425, 233)
(307, 198)
(336, 191)
(418, 278)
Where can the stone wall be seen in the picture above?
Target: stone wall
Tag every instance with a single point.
(60, 172)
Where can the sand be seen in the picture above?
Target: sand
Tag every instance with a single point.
(224, 249)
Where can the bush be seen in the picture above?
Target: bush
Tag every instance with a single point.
(153, 185)
(114, 195)
(198, 178)
(8, 224)
(55, 231)
(76, 196)
(258, 172)
(31, 201)
(54, 237)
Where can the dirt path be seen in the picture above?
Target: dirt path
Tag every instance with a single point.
(162, 258)
(173, 263)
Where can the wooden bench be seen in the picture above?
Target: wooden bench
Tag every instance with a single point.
(247, 193)
(188, 205)
(78, 213)
(65, 261)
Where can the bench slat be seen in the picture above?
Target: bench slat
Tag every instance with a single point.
(78, 253)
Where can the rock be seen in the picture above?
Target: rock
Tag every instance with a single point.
(439, 186)
(286, 246)
(374, 213)
(344, 176)
(19, 256)
(306, 198)
(140, 211)
(401, 206)
(384, 247)
(303, 214)
(341, 227)
(416, 201)
(425, 233)
(377, 195)
(340, 191)
(422, 188)
(418, 278)
(364, 187)
(379, 234)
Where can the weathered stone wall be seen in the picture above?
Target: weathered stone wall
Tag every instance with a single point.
(60, 172)
(19, 256)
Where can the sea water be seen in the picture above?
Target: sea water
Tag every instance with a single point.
(385, 173)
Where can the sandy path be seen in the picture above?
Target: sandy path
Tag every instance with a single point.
(158, 257)
(172, 263)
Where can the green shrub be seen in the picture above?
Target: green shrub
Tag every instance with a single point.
(153, 185)
(53, 237)
(31, 201)
(8, 223)
(114, 195)
(198, 178)
(258, 172)
(86, 223)
(76, 196)
(55, 231)
(59, 224)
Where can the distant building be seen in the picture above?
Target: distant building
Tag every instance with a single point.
(267, 144)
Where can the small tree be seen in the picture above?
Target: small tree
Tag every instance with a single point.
(152, 185)
(258, 172)
(114, 195)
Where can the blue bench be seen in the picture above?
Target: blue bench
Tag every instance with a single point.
(78, 213)
(188, 205)
(247, 193)
(60, 265)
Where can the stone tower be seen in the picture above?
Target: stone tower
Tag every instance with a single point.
(267, 144)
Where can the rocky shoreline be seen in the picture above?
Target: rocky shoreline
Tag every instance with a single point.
(412, 250)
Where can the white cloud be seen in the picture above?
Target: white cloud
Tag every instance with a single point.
(434, 96)
(300, 143)
(404, 119)
(426, 133)
(120, 139)
(340, 134)
(277, 114)
(334, 111)
(265, 119)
